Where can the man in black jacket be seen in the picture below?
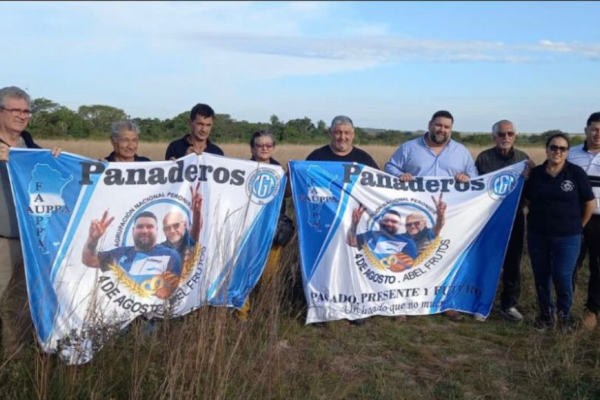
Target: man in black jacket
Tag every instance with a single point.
(197, 141)
(500, 156)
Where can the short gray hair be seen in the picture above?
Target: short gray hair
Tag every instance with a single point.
(342, 120)
(261, 133)
(126, 124)
(496, 126)
(13, 92)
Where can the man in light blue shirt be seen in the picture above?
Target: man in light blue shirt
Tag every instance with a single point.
(433, 154)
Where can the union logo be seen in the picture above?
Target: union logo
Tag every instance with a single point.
(263, 185)
(567, 186)
(502, 184)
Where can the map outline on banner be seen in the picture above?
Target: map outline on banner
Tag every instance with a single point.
(62, 289)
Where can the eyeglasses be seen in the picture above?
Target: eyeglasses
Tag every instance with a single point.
(174, 226)
(17, 112)
(555, 148)
(264, 146)
(416, 224)
(505, 134)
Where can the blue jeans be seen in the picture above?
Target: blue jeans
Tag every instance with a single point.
(553, 257)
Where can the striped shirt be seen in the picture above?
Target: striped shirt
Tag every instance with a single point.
(579, 155)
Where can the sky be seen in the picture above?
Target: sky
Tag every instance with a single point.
(387, 65)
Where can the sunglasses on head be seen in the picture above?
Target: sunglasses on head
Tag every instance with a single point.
(505, 134)
(555, 148)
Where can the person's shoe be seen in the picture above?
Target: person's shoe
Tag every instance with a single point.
(479, 317)
(319, 324)
(401, 318)
(542, 325)
(512, 314)
(357, 322)
(453, 315)
(565, 327)
(590, 320)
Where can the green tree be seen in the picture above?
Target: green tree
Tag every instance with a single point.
(101, 116)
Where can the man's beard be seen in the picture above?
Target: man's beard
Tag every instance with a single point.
(434, 138)
(388, 231)
(143, 244)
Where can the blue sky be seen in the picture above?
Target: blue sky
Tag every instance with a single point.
(384, 64)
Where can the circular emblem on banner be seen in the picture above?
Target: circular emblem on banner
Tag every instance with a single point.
(502, 184)
(567, 186)
(263, 185)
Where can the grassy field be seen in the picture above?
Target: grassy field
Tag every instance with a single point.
(209, 354)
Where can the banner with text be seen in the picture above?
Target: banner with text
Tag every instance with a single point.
(105, 242)
(371, 244)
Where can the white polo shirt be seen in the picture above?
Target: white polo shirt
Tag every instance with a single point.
(590, 163)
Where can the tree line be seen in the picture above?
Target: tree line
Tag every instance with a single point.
(50, 120)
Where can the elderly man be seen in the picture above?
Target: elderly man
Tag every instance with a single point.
(587, 156)
(124, 137)
(15, 111)
(416, 225)
(434, 154)
(500, 156)
(197, 141)
(175, 227)
(340, 147)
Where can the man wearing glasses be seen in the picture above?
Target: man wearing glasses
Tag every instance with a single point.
(175, 228)
(502, 155)
(416, 225)
(15, 111)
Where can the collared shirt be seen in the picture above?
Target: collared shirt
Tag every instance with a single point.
(556, 203)
(491, 160)
(136, 158)
(9, 227)
(356, 155)
(580, 155)
(415, 157)
(179, 147)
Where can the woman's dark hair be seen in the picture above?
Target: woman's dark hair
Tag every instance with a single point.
(558, 135)
(261, 133)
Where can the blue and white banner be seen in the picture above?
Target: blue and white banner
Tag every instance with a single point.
(373, 245)
(105, 242)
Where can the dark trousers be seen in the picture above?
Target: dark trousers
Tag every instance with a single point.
(591, 247)
(553, 260)
(511, 269)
